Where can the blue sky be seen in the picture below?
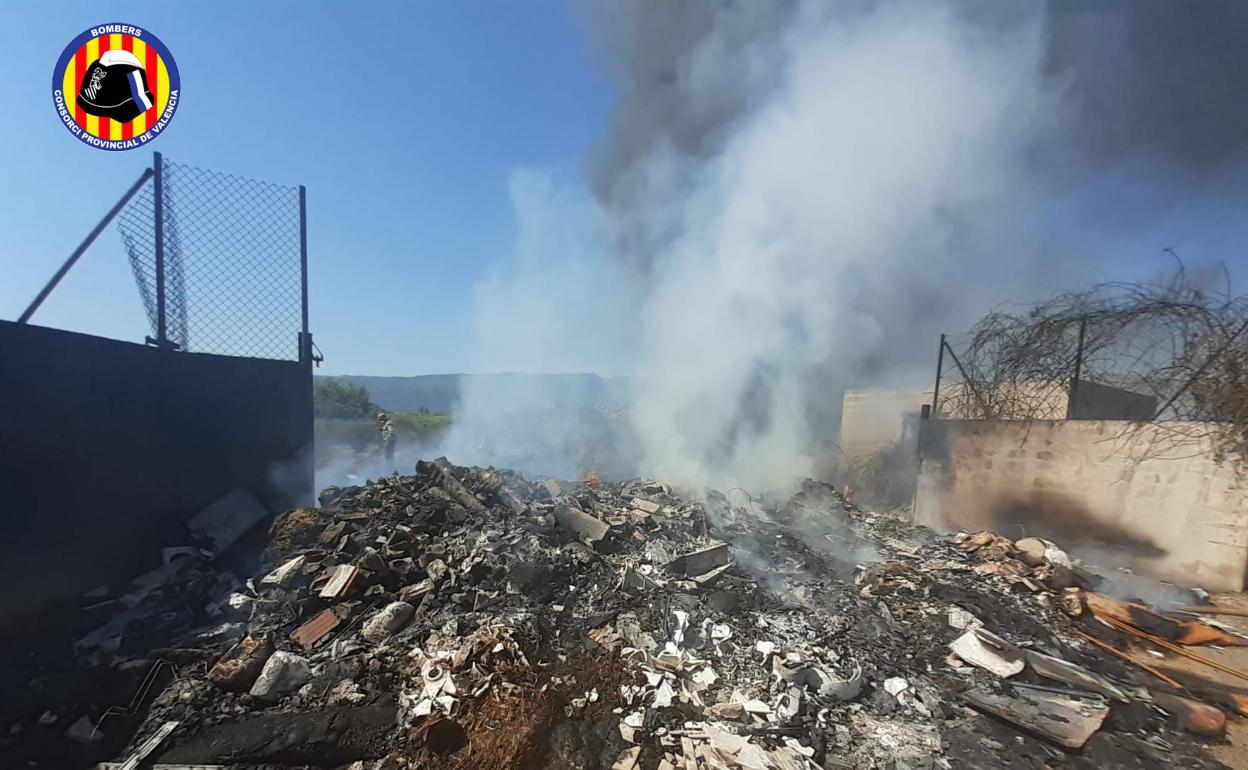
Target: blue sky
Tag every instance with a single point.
(430, 107)
(406, 122)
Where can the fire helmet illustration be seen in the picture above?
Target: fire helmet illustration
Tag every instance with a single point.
(115, 86)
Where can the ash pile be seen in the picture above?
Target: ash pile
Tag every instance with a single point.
(468, 618)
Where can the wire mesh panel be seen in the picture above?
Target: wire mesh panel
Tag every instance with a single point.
(232, 261)
(986, 379)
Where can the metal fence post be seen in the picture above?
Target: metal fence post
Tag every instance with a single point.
(82, 247)
(966, 378)
(940, 360)
(1074, 380)
(159, 208)
(305, 344)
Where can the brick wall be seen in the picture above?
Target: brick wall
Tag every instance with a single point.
(1108, 487)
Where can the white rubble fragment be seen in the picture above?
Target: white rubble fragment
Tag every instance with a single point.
(988, 651)
(285, 572)
(715, 636)
(704, 677)
(724, 742)
(1056, 556)
(669, 660)
(348, 692)
(796, 745)
(389, 620)
(845, 689)
(630, 726)
(438, 680)
(788, 704)
(284, 673)
(961, 619)
(436, 570)
(680, 623)
(894, 685)
(794, 670)
(445, 703)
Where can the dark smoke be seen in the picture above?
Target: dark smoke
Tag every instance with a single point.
(1141, 80)
(1154, 80)
(686, 72)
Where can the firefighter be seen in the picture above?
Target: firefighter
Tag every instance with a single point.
(385, 427)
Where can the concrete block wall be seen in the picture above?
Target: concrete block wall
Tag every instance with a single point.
(874, 419)
(1144, 493)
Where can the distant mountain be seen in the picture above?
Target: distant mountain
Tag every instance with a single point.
(439, 392)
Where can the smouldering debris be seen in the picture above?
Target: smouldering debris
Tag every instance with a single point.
(466, 617)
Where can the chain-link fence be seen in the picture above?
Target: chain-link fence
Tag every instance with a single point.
(233, 259)
(967, 392)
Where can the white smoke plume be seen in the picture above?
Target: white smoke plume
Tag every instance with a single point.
(557, 304)
(806, 236)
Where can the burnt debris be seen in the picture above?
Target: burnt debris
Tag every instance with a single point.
(469, 618)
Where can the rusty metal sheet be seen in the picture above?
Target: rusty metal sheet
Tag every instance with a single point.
(1189, 632)
(1193, 716)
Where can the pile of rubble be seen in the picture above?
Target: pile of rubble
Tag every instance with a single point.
(468, 618)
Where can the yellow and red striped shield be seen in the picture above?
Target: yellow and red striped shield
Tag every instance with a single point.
(158, 72)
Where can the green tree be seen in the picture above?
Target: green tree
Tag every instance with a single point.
(331, 398)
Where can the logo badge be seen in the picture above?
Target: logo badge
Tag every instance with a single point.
(115, 87)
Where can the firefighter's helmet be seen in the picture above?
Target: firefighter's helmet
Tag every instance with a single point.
(115, 86)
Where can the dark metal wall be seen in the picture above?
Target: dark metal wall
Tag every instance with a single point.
(107, 447)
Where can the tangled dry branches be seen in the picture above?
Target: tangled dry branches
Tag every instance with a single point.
(1173, 341)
